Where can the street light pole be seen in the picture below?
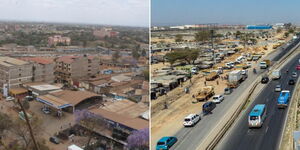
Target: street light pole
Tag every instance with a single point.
(28, 124)
(212, 45)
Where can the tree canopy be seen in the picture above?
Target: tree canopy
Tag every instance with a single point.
(186, 55)
(178, 38)
(202, 36)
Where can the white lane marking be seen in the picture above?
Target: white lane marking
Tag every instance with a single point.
(267, 129)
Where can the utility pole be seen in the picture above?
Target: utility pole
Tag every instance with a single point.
(28, 124)
(212, 45)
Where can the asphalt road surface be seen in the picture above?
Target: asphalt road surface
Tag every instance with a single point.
(268, 136)
(190, 138)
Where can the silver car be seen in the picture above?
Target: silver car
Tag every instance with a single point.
(294, 74)
(278, 88)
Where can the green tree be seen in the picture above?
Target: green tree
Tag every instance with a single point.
(135, 54)
(190, 55)
(291, 30)
(202, 36)
(178, 38)
(5, 124)
(279, 30)
(219, 35)
(116, 56)
(20, 129)
(146, 74)
(238, 34)
(286, 34)
(187, 55)
(172, 57)
(143, 53)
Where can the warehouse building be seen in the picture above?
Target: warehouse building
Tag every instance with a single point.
(66, 100)
(259, 27)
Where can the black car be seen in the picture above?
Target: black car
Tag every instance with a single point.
(54, 140)
(264, 80)
(291, 82)
(208, 107)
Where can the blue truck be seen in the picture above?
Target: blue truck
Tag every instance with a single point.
(283, 99)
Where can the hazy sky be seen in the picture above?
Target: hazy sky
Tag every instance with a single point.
(176, 12)
(112, 12)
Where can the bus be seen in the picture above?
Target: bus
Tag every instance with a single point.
(257, 116)
(283, 99)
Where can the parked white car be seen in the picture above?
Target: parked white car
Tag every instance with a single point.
(46, 110)
(194, 70)
(191, 120)
(218, 98)
(9, 98)
(244, 72)
(249, 64)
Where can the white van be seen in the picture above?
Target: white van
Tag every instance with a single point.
(276, 74)
(218, 98)
(191, 120)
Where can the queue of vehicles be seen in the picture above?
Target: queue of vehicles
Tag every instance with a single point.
(257, 115)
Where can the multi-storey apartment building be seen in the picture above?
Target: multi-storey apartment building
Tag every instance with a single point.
(54, 40)
(105, 32)
(42, 69)
(14, 72)
(70, 68)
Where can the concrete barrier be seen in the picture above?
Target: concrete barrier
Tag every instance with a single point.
(293, 107)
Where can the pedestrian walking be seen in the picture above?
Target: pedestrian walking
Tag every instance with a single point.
(205, 83)
(166, 105)
(186, 90)
(217, 82)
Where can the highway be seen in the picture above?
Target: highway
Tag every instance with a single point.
(191, 138)
(268, 137)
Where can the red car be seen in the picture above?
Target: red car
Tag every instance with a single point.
(298, 67)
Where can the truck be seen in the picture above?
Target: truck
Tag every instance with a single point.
(276, 74)
(264, 64)
(211, 76)
(283, 99)
(205, 93)
(242, 66)
(275, 46)
(235, 78)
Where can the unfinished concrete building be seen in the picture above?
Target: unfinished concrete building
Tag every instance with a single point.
(42, 70)
(14, 72)
(70, 68)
